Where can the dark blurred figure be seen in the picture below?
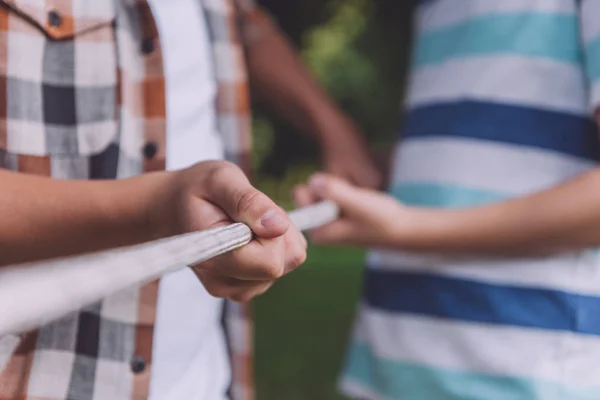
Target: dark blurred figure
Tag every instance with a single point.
(484, 284)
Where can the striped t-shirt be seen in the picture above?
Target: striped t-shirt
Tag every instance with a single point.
(500, 105)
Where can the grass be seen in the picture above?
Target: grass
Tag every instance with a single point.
(302, 326)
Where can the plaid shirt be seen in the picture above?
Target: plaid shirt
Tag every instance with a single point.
(82, 97)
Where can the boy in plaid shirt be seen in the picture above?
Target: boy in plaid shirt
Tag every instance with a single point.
(84, 98)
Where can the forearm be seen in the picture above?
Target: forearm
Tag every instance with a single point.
(44, 218)
(284, 84)
(563, 218)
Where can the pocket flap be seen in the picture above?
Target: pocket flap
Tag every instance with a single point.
(64, 19)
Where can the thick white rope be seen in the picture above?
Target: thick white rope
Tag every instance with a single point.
(34, 294)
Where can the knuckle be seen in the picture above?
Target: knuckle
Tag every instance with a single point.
(304, 244)
(295, 250)
(273, 271)
(297, 258)
(245, 199)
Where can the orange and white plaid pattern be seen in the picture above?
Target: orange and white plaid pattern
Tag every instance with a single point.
(83, 97)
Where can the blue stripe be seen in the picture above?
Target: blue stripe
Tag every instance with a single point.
(592, 57)
(398, 380)
(465, 300)
(544, 35)
(549, 130)
(441, 196)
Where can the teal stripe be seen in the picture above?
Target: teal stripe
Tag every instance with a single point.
(396, 380)
(442, 196)
(551, 36)
(592, 57)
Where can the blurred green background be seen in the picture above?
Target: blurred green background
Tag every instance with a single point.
(358, 50)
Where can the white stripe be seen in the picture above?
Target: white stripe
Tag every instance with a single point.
(443, 13)
(590, 24)
(42, 383)
(595, 94)
(573, 272)
(519, 80)
(535, 354)
(483, 165)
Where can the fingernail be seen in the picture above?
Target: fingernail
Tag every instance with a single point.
(272, 219)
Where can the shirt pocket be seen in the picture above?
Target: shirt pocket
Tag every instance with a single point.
(58, 77)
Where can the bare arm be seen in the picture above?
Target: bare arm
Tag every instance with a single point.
(563, 218)
(284, 84)
(44, 218)
(281, 79)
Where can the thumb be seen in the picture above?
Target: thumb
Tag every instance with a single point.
(231, 191)
(348, 197)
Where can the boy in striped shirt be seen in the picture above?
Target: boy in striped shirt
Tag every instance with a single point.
(485, 285)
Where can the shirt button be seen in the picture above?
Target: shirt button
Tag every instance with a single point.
(54, 19)
(150, 150)
(147, 45)
(137, 364)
